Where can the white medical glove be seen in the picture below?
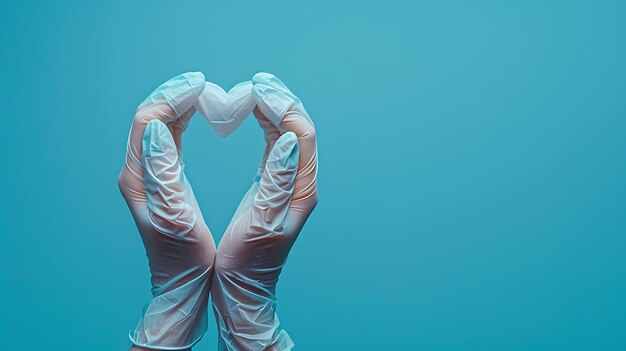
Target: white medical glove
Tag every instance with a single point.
(178, 243)
(225, 111)
(265, 226)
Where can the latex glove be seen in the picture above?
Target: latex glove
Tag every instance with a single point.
(225, 111)
(178, 243)
(257, 242)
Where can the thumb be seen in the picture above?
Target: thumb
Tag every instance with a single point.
(271, 202)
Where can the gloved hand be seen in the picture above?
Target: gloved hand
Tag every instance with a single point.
(255, 246)
(178, 243)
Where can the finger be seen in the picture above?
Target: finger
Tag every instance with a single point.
(272, 96)
(180, 93)
(270, 134)
(225, 111)
(179, 126)
(283, 109)
(168, 211)
(305, 189)
(271, 202)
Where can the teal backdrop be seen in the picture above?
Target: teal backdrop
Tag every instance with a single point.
(472, 174)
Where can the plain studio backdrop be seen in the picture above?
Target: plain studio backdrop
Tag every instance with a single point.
(472, 176)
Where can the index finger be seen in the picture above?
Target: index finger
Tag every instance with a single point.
(285, 110)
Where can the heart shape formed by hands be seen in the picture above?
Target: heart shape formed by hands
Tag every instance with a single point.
(226, 111)
(186, 266)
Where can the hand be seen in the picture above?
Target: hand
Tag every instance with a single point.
(179, 245)
(266, 224)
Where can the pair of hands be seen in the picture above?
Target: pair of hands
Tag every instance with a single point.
(242, 273)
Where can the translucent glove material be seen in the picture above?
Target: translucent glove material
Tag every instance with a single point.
(179, 245)
(266, 224)
(180, 93)
(274, 99)
(226, 111)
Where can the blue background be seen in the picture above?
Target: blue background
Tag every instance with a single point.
(472, 174)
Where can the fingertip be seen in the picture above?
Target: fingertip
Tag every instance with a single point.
(272, 97)
(194, 79)
(197, 76)
(262, 77)
(156, 137)
(155, 128)
(289, 137)
(182, 92)
(285, 153)
(280, 169)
